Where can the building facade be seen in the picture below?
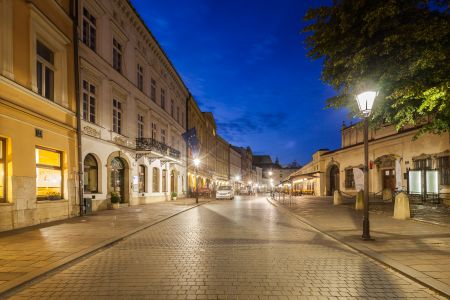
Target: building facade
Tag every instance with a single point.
(235, 168)
(397, 161)
(38, 160)
(222, 174)
(246, 164)
(133, 107)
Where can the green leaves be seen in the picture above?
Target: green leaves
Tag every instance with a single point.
(403, 46)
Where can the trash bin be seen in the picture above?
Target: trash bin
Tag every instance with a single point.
(87, 206)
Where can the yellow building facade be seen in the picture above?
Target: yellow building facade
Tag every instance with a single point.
(38, 162)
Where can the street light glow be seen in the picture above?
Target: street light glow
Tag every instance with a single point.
(196, 162)
(270, 173)
(365, 101)
(237, 178)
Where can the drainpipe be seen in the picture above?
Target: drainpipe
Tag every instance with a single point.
(74, 7)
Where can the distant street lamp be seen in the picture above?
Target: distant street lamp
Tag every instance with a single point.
(196, 164)
(365, 102)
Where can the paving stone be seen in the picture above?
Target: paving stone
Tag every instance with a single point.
(240, 249)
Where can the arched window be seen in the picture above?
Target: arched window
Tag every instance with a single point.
(155, 180)
(90, 174)
(141, 174)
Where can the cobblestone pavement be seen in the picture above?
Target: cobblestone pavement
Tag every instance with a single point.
(30, 250)
(230, 249)
(421, 246)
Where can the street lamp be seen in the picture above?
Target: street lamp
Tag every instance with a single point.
(196, 164)
(365, 102)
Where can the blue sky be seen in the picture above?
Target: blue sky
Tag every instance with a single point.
(246, 62)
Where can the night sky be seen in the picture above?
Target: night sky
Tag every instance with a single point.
(246, 62)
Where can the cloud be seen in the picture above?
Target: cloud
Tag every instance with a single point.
(251, 124)
(260, 50)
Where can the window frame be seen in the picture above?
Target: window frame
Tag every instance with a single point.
(117, 49)
(163, 99)
(89, 111)
(164, 180)
(142, 179)
(349, 176)
(97, 175)
(41, 79)
(117, 116)
(444, 169)
(87, 33)
(153, 90)
(155, 180)
(48, 167)
(140, 126)
(140, 77)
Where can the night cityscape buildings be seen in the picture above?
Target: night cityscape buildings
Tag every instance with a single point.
(110, 169)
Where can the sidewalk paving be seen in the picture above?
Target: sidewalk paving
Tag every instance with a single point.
(417, 249)
(30, 252)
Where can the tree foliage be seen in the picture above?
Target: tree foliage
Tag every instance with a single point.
(401, 46)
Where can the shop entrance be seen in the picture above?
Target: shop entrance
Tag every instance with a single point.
(389, 179)
(118, 177)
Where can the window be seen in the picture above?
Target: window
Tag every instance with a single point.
(163, 136)
(89, 101)
(45, 71)
(443, 165)
(155, 180)
(422, 164)
(117, 116)
(48, 174)
(117, 55)
(164, 181)
(172, 108)
(90, 174)
(140, 126)
(349, 179)
(153, 90)
(163, 99)
(154, 131)
(141, 182)
(2, 170)
(89, 29)
(178, 114)
(140, 77)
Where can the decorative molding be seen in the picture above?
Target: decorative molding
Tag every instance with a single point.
(91, 131)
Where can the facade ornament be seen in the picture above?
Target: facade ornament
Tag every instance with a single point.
(88, 130)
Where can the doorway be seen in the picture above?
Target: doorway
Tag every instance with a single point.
(388, 179)
(334, 180)
(118, 177)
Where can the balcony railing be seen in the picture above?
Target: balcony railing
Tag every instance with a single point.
(150, 144)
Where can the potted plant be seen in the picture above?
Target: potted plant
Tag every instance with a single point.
(115, 200)
(174, 195)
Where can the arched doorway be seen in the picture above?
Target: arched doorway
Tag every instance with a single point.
(333, 180)
(118, 177)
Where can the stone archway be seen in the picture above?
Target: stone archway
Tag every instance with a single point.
(333, 179)
(118, 172)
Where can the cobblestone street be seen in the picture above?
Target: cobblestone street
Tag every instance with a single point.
(245, 248)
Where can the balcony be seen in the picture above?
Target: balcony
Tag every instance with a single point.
(152, 145)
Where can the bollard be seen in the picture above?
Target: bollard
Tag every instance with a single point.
(401, 207)
(337, 197)
(359, 203)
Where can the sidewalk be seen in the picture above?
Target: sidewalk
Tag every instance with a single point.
(30, 252)
(417, 249)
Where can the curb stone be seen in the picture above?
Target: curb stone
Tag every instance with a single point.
(8, 288)
(419, 277)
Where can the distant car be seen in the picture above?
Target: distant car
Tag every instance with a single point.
(225, 192)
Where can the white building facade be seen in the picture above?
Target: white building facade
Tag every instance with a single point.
(133, 108)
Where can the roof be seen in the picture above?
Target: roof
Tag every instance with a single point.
(262, 159)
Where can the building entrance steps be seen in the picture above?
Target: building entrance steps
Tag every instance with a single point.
(419, 250)
(31, 252)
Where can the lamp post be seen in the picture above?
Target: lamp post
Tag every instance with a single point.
(196, 164)
(365, 102)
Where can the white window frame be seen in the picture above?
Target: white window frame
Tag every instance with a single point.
(88, 31)
(89, 95)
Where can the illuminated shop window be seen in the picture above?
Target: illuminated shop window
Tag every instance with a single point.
(2, 170)
(90, 174)
(48, 174)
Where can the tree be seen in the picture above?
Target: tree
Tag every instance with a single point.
(401, 46)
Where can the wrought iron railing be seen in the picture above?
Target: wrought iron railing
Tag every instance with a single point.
(150, 144)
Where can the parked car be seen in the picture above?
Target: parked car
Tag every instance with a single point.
(225, 192)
